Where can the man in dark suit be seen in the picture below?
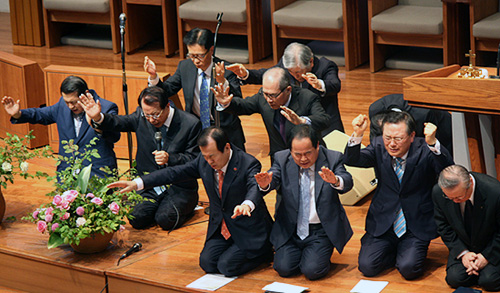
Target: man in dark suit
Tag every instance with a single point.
(321, 76)
(194, 77)
(281, 105)
(71, 125)
(467, 214)
(239, 224)
(165, 136)
(399, 224)
(310, 220)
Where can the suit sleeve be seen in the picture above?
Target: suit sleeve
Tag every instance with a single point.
(319, 119)
(492, 250)
(276, 169)
(173, 84)
(44, 116)
(247, 106)
(331, 80)
(255, 76)
(170, 175)
(121, 123)
(234, 84)
(111, 136)
(450, 238)
(192, 150)
(354, 156)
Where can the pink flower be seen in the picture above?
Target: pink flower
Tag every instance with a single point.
(70, 195)
(35, 214)
(97, 200)
(48, 218)
(65, 216)
(65, 205)
(91, 195)
(41, 226)
(58, 200)
(122, 228)
(80, 211)
(54, 226)
(49, 211)
(114, 207)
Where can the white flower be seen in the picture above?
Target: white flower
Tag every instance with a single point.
(80, 221)
(24, 167)
(6, 167)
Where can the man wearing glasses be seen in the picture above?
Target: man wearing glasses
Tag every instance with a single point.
(467, 214)
(399, 223)
(194, 76)
(281, 105)
(165, 137)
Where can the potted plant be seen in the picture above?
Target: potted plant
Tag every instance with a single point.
(14, 156)
(83, 212)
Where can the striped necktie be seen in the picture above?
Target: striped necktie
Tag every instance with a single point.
(223, 229)
(400, 222)
(304, 204)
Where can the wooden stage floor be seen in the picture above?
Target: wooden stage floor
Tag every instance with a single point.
(169, 261)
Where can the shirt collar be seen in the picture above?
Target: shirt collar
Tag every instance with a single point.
(170, 117)
(208, 71)
(223, 169)
(471, 198)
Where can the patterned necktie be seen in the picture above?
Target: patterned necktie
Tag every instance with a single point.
(468, 217)
(304, 204)
(279, 123)
(204, 103)
(163, 130)
(400, 222)
(223, 230)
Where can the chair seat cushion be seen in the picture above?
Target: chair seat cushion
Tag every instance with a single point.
(318, 14)
(410, 19)
(488, 27)
(95, 6)
(234, 10)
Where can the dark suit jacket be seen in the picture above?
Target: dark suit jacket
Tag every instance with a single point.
(330, 211)
(251, 234)
(414, 193)
(303, 102)
(62, 116)
(486, 224)
(180, 143)
(185, 78)
(325, 70)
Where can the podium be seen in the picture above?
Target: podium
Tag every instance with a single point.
(477, 99)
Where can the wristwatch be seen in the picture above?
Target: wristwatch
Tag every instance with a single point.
(337, 182)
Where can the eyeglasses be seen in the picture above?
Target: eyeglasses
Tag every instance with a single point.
(458, 198)
(200, 57)
(272, 96)
(396, 139)
(154, 117)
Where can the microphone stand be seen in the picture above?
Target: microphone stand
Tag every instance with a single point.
(216, 113)
(123, 18)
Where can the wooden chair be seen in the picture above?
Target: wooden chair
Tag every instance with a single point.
(241, 17)
(484, 26)
(58, 13)
(145, 18)
(328, 20)
(417, 23)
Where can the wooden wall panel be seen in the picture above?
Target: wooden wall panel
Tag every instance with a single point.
(22, 79)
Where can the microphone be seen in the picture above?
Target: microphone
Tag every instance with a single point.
(136, 247)
(498, 65)
(123, 18)
(158, 140)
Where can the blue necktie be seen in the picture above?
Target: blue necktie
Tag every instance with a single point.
(204, 103)
(400, 222)
(163, 130)
(304, 205)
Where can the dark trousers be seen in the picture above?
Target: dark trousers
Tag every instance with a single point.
(488, 279)
(169, 210)
(310, 256)
(221, 256)
(407, 253)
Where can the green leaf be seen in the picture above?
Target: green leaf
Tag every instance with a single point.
(55, 240)
(83, 179)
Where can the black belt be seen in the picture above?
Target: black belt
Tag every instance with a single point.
(315, 227)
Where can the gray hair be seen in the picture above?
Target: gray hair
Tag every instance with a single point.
(452, 176)
(279, 74)
(297, 54)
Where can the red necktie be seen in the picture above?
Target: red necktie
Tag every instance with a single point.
(223, 230)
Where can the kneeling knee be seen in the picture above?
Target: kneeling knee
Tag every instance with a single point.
(285, 271)
(368, 269)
